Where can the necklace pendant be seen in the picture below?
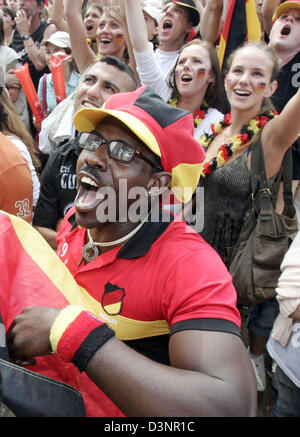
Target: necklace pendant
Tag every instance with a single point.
(90, 251)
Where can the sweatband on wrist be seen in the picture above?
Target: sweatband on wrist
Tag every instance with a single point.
(76, 335)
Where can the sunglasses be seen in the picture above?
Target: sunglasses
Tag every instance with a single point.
(117, 149)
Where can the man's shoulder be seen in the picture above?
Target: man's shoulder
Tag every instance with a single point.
(178, 238)
(183, 236)
(288, 66)
(68, 225)
(47, 29)
(297, 57)
(69, 148)
(67, 154)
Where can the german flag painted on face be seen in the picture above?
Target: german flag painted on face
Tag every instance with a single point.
(241, 24)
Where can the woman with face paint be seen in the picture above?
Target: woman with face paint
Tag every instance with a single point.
(59, 42)
(189, 77)
(249, 83)
(110, 36)
(196, 85)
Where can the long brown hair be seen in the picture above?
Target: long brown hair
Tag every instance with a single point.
(10, 124)
(213, 95)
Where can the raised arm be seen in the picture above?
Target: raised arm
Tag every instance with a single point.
(268, 9)
(136, 26)
(58, 16)
(83, 54)
(129, 46)
(280, 133)
(36, 54)
(147, 67)
(210, 21)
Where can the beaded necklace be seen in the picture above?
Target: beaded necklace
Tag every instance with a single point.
(226, 150)
(198, 115)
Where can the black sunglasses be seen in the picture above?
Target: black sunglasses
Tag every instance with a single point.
(117, 149)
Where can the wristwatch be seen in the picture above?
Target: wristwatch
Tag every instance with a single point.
(26, 36)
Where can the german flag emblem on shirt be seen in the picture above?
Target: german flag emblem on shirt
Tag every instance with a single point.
(112, 299)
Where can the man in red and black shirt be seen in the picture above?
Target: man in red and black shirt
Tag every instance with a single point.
(162, 338)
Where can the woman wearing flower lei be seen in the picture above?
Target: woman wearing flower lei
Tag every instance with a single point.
(249, 83)
(196, 85)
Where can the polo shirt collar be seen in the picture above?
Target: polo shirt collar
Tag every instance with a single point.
(141, 243)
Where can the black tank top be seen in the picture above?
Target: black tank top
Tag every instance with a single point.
(227, 196)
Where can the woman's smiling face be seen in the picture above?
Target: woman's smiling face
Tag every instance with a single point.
(110, 38)
(249, 78)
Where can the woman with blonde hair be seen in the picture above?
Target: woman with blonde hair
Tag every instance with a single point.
(110, 34)
(250, 82)
(195, 85)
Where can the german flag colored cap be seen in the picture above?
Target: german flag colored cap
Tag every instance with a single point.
(285, 6)
(166, 131)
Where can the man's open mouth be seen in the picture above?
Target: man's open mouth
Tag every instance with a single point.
(167, 24)
(286, 30)
(89, 194)
(89, 104)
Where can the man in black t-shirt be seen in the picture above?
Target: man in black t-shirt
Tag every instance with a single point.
(28, 36)
(30, 32)
(285, 40)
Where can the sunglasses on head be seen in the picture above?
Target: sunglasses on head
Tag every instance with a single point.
(117, 149)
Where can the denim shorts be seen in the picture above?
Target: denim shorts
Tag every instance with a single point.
(288, 397)
(262, 317)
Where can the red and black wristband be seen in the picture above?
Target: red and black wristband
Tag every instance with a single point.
(76, 335)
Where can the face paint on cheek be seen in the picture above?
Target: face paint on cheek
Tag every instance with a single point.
(120, 37)
(201, 72)
(261, 87)
(227, 82)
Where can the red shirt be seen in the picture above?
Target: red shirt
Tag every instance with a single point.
(165, 277)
